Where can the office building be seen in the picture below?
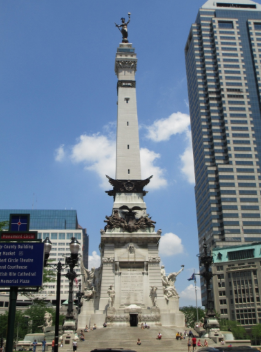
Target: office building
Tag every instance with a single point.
(223, 63)
(238, 282)
(60, 226)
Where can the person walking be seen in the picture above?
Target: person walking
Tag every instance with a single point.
(189, 345)
(34, 345)
(53, 344)
(43, 345)
(194, 343)
(74, 345)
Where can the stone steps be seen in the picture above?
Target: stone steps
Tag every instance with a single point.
(126, 337)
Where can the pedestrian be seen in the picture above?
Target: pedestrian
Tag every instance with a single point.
(53, 344)
(194, 343)
(43, 345)
(74, 345)
(139, 342)
(34, 345)
(189, 345)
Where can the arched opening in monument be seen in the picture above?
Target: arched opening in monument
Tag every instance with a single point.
(133, 319)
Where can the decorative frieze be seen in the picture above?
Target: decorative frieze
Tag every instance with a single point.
(107, 260)
(154, 260)
(126, 84)
(126, 64)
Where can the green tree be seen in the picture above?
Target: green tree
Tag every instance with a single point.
(36, 314)
(235, 327)
(256, 333)
(191, 315)
(3, 225)
(20, 326)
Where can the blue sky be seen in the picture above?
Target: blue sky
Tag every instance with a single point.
(58, 114)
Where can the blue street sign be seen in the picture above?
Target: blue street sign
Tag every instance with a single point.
(21, 264)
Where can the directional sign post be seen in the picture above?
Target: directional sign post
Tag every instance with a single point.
(21, 264)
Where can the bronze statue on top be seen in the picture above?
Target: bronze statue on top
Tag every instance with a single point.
(123, 28)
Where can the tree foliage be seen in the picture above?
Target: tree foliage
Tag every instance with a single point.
(235, 327)
(29, 321)
(256, 333)
(36, 315)
(191, 315)
(3, 225)
(20, 325)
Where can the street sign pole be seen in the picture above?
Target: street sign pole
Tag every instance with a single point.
(11, 319)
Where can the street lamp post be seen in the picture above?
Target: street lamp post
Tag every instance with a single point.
(71, 275)
(206, 261)
(79, 295)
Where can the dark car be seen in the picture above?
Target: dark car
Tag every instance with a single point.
(227, 349)
(112, 350)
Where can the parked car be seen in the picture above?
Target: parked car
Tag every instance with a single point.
(228, 349)
(111, 350)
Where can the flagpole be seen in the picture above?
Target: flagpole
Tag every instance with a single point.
(196, 294)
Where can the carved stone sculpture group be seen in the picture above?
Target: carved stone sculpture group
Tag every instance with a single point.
(92, 281)
(168, 283)
(128, 221)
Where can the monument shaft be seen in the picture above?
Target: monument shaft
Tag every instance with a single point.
(128, 148)
(129, 287)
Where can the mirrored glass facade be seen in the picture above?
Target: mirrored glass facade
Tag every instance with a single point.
(45, 219)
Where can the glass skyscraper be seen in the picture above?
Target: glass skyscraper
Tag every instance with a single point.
(223, 63)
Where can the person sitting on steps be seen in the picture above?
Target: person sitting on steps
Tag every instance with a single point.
(138, 342)
(159, 336)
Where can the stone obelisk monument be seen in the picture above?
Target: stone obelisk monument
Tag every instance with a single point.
(130, 286)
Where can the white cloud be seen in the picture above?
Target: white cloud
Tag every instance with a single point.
(163, 129)
(187, 161)
(170, 244)
(94, 260)
(148, 168)
(59, 153)
(189, 294)
(98, 152)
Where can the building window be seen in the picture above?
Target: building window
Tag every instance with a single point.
(69, 235)
(78, 236)
(128, 171)
(225, 24)
(128, 146)
(127, 123)
(61, 236)
(54, 236)
(127, 100)
(257, 26)
(238, 255)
